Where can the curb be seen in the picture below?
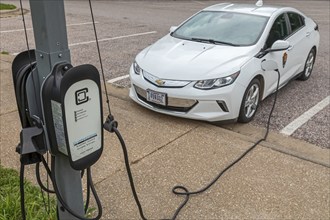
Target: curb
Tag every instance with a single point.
(284, 144)
(5, 12)
(14, 12)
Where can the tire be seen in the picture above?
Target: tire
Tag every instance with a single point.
(250, 102)
(309, 64)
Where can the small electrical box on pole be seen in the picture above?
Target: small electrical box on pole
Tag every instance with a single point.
(72, 107)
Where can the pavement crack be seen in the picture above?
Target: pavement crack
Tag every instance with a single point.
(161, 147)
(147, 155)
(9, 112)
(6, 61)
(105, 178)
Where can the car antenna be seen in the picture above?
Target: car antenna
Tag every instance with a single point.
(259, 3)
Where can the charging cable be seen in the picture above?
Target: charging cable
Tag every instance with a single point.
(182, 190)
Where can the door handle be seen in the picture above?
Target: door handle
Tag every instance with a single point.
(290, 48)
(308, 34)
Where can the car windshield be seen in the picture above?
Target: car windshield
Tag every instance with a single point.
(221, 27)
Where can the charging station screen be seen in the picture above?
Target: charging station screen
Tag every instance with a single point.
(83, 120)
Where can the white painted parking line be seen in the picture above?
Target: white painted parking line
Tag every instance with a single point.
(28, 29)
(79, 24)
(298, 122)
(113, 38)
(117, 79)
(108, 39)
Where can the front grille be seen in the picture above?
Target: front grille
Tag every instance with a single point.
(174, 104)
(165, 83)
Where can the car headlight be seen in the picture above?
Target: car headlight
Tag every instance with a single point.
(216, 83)
(137, 68)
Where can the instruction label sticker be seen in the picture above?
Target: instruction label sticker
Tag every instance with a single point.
(59, 126)
(83, 119)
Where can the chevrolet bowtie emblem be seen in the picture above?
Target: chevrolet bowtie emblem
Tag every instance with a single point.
(160, 82)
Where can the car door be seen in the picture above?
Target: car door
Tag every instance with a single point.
(299, 44)
(279, 31)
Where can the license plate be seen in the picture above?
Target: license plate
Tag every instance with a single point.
(156, 97)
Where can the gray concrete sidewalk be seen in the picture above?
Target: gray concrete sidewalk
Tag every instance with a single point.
(282, 178)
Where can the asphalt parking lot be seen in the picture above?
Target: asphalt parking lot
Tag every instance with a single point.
(126, 27)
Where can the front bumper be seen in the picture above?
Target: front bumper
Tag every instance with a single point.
(188, 102)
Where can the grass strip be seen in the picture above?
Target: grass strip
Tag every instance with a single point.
(10, 208)
(7, 6)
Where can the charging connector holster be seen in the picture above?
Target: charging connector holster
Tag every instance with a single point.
(32, 140)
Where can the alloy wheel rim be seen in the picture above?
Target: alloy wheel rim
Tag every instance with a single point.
(309, 64)
(251, 101)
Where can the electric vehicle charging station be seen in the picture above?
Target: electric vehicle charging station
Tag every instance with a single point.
(60, 106)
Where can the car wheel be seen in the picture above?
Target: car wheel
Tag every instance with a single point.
(250, 102)
(309, 64)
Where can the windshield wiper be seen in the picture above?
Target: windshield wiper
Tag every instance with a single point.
(213, 41)
(223, 42)
(203, 40)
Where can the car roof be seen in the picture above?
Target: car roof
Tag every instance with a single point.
(265, 10)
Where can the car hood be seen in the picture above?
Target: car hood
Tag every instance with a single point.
(173, 58)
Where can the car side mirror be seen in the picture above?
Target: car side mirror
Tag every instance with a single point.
(269, 65)
(173, 28)
(279, 45)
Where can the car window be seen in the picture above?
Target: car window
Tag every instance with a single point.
(228, 27)
(279, 31)
(296, 21)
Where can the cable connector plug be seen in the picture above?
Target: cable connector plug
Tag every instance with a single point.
(110, 123)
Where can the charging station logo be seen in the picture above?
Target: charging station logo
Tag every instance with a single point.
(81, 96)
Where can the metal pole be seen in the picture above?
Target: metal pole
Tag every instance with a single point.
(49, 26)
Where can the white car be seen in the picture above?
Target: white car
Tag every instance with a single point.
(209, 68)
